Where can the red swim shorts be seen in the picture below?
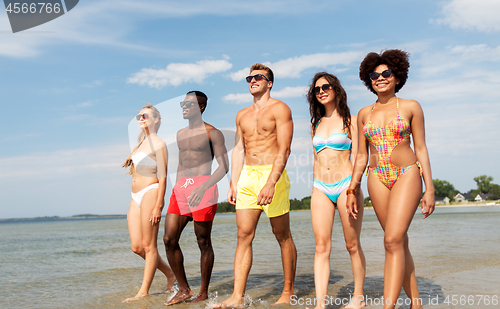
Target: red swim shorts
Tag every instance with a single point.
(205, 211)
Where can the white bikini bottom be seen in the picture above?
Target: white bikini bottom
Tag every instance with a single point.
(137, 197)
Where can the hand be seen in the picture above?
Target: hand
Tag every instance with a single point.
(155, 216)
(266, 195)
(196, 196)
(351, 207)
(427, 204)
(231, 195)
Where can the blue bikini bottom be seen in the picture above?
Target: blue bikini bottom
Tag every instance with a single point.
(333, 190)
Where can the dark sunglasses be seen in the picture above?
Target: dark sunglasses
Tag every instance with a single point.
(188, 103)
(325, 88)
(258, 77)
(139, 116)
(375, 75)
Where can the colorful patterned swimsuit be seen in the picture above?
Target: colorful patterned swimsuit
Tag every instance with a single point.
(385, 139)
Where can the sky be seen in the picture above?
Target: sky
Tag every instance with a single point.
(70, 88)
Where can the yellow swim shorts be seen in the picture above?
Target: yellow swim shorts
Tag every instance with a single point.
(252, 180)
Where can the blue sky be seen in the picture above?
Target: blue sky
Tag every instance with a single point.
(70, 87)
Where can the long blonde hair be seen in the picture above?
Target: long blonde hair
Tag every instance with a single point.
(142, 137)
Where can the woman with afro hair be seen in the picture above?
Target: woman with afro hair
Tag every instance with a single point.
(395, 170)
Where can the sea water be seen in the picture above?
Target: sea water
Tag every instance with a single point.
(88, 263)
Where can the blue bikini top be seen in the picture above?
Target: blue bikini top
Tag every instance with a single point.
(336, 141)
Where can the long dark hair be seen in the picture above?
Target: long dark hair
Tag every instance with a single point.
(317, 109)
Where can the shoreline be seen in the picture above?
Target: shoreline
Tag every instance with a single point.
(57, 218)
(469, 205)
(90, 216)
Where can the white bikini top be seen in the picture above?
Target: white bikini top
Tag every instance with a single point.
(142, 159)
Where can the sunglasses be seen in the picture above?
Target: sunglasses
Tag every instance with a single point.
(375, 75)
(258, 77)
(139, 116)
(187, 103)
(325, 88)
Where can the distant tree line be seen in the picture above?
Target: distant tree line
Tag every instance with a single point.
(295, 204)
(442, 188)
(484, 183)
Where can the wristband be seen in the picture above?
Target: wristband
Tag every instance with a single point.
(351, 191)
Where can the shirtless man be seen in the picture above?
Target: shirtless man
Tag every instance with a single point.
(263, 145)
(195, 194)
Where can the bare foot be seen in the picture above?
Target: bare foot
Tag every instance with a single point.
(417, 306)
(354, 304)
(200, 297)
(179, 297)
(284, 299)
(170, 283)
(136, 297)
(232, 302)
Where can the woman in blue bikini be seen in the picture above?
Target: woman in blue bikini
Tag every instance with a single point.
(334, 133)
(148, 167)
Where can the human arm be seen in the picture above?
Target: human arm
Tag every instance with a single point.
(237, 159)
(179, 161)
(354, 137)
(162, 162)
(360, 162)
(284, 133)
(418, 131)
(216, 138)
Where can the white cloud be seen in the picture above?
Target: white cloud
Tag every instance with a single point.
(109, 22)
(447, 134)
(290, 92)
(176, 74)
(64, 163)
(239, 75)
(480, 52)
(85, 104)
(287, 92)
(466, 63)
(93, 84)
(293, 67)
(471, 15)
(220, 7)
(238, 98)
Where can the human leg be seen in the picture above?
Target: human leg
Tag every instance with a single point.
(281, 230)
(410, 280)
(134, 229)
(404, 198)
(203, 230)
(246, 221)
(352, 230)
(135, 232)
(174, 225)
(322, 217)
(149, 234)
(149, 239)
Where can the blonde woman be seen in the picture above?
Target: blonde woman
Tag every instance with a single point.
(148, 167)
